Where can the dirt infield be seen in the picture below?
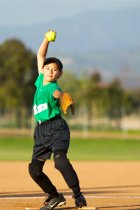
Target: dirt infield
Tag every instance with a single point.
(106, 185)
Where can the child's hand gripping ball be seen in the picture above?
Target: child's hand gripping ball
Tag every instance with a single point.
(50, 36)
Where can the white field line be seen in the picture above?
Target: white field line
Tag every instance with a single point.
(83, 208)
(86, 196)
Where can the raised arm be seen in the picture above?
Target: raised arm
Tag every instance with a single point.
(41, 55)
(50, 36)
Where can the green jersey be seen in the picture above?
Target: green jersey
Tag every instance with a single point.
(45, 106)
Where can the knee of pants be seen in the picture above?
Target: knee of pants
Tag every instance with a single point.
(35, 169)
(61, 162)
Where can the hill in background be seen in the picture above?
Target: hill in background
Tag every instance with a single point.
(107, 41)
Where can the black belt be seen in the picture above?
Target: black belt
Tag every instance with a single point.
(48, 121)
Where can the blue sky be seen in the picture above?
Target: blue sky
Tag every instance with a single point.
(23, 12)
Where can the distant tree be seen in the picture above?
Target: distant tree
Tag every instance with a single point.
(94, 91)
(132, 101)
(70, 83)
(115, 99)
(95, 77)
(17, 75)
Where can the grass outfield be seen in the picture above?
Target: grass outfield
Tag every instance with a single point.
(20, 149)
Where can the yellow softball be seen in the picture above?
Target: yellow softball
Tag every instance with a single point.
(51, 36)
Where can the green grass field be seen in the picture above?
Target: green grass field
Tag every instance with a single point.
(20, 149)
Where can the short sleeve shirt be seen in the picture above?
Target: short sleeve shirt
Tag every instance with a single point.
(45, 106)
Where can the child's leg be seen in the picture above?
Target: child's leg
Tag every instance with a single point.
(35, 171)
(64, 166)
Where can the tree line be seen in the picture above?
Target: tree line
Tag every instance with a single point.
(18, 72)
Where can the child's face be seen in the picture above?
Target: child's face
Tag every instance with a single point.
(51, 72)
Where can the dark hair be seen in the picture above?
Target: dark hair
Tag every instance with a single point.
(53, 60)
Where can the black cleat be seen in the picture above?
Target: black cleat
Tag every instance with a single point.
(47, 199)
(80, 200)
(51, 203)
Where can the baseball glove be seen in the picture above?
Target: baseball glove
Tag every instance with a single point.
(66, 101)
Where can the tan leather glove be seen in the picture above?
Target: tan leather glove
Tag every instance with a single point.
(66, 101)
